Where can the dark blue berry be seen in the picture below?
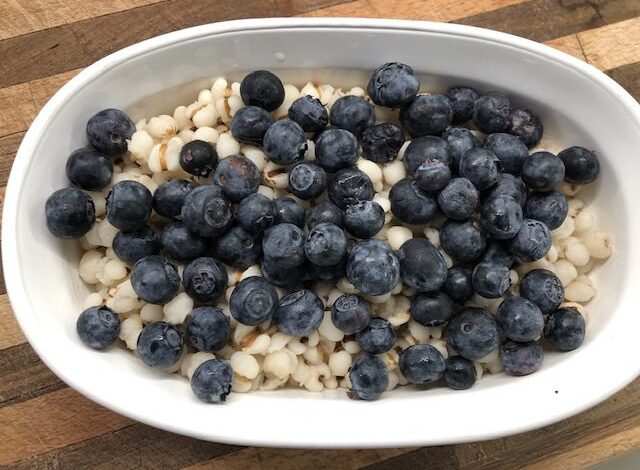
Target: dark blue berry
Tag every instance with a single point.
(364, 219)
(169, 198)
(421, 364)
(509, 185)
(377, 337)
(499, 252)
(155, 279)
(256, 213)
(283, 246)
(70, 213)
(198, 158)
(89, 169)
(207, 329)
(458, 199)
(324, 212)
(458, 284)
(459, 140)
(206, 211)
(421, 265)
(463, 241)
(309, 113)
(431, 308)
(490, 279)
(373, 267)
(428, 114)
(393, 85)
(543, 288)
(369, 377)
(532, 241)
(382, 142)
(325, 245)
(543, 171)
(249, 125)
(288, 211)
(332, 273)
(283, 277)
(350, 313)
(550, 207)
(349, 186)
(581, 165)
(501, 217)
(565, 329)
(510, 150)
(526, 125)
(462, 99)
(205, 279)
(180, 244)
(481, 167)
(472, 333)
(238, 177)
(131, 246)
(432, 175)
(460, 373)
(262, 88)
(520, 319)
(336, 149)
(521, 358)
(411, 205)
(284, 142)
(211, 381)
(253, 301)
(307, 180)
(422, 149)
(299, 313)
(129, 205)
(160, 345)
(491, 112)
(108, 131)
(352, 113)
(98, 327)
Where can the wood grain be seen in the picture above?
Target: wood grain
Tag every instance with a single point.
(10, 333)
(624, 37)
(629, 77)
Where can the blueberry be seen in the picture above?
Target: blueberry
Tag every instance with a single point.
(491, 112)
(431, 308)
(89, 169)
(324, 212)
(422, 149)
(510, 150)
(543, 171)
(462, 99)
(253, 301)
(472, 333)
(509, 185)
(352, 113)
(421, 265)
(520, 319)
(481, 167)
(463, 241)
(460, 373)
(382, 142)
(206, 211)
(410, 205)
(524, 124)
(288, 211)
(458, 284)
(521, 358)
(459, 141)
(198, 158)
(282, 277)
(499, 252)
(160, 345)
(70, 213)
(256, 213)
(369, 377)
(373, 267)
(307, 180)
(349, 186)
(207, 329)
(169, 198)
(129, 205)
(325, 245)
(581, 165)
(205, 279)
(180, 244)
(299, 313)
(350, 313)
(108, 131)
(428, 114)
(501, 217)
(309, 113)
(550, 207)
(336, 149)
(532, 241)
(393, 85)
(238, 177)
(98, 327)
(155, 279)
(364, 219)
(262, 88)
(458, 199)
(211, 381)
(377, 337)
(332, 273)
(131, 246)
(543, 288)
(565, 329)
(421, 364)
(284, 142)
(283, 246)
(490, 279)
(249, 125)
(432, 175)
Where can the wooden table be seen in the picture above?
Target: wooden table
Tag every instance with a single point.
(45, 424)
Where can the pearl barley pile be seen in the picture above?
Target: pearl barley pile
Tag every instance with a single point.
(269, 236)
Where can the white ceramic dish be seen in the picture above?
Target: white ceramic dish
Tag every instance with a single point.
(578, 104)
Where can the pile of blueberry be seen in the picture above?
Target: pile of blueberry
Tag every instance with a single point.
(499, 202)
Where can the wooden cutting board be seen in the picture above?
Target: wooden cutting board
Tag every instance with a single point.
(45, 424)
